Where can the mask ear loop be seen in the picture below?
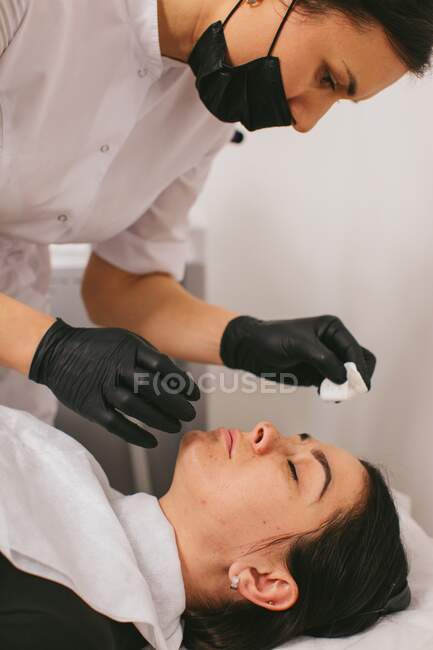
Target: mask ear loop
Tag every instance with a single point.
(286, 15)
(232, 11)
(292, 4)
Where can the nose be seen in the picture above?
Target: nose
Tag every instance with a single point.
(308, 113)
(265, 436)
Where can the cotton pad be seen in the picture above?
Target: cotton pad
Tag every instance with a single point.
(354, 385)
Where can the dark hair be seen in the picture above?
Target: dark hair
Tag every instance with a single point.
(345, 570)
(408, 24)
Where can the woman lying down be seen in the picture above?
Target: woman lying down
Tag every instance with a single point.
(260, 538)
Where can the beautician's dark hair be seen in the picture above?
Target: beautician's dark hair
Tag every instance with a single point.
(346, 571)
(407, 23)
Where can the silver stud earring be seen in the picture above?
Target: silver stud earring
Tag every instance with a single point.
(234, 583)
(271, 602)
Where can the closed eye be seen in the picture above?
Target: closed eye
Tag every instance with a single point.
(328, 80)
(293, 470)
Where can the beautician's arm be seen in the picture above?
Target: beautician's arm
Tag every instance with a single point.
(51, 352)
(21, 329)
(158, 308)
(180, 325)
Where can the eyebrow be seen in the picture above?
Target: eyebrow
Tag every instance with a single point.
(320, 456)
(352, 88)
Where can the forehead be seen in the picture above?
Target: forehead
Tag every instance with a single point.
(349, 474)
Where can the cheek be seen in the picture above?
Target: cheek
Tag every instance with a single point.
(259, 500)
(241, 498)
(299, 54)
(246, 514)
(294, 77)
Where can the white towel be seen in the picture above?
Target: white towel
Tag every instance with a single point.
(61, 520)
(354, 385)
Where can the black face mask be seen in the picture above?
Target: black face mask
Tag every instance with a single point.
(252, 93)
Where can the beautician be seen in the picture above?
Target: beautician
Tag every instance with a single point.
(111, 113)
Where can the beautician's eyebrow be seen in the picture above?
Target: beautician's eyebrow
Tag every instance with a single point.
(320, 456)
(352, 88)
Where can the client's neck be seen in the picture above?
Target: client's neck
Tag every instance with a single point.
(202, 573)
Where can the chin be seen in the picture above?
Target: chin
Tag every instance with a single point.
(199, 456)
(188, 444)
(190, 436)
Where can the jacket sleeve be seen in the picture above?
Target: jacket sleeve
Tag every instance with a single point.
(11, 14)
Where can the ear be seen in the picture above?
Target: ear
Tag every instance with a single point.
(260, 587)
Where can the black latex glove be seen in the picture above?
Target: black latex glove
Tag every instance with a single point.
(312, 349)
(92, 370)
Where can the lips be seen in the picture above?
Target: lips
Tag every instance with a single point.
(233, 434)
(229, 441)
(228, 437)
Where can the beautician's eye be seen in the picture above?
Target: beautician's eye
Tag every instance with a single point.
(293, 470)
(329, 80)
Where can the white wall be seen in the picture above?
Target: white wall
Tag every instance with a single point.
(339, 220)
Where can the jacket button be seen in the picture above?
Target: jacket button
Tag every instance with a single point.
(62, 217)
(105, 148)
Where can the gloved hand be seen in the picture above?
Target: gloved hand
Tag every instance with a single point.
(312, 349)
(92, 371)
